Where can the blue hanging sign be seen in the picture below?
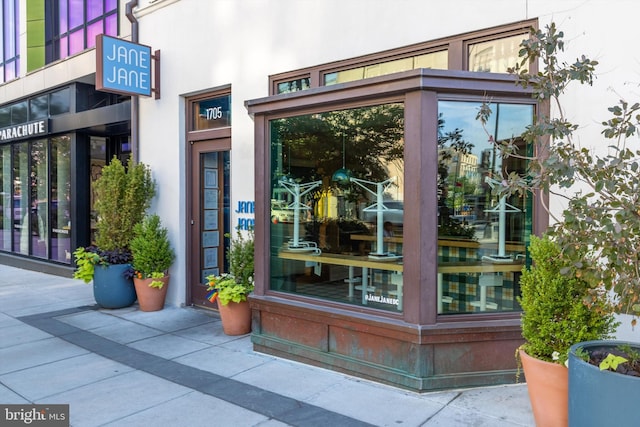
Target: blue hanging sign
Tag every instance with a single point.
(122, 66)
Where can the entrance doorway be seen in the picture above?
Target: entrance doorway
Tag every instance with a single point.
(210, 215)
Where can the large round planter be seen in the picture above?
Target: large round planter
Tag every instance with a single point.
(601, 398)
(236, 317)
(547, 384)
(111, 289)
(151, 299)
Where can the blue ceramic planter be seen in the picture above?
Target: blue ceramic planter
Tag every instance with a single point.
(111, 289)
(601, 398)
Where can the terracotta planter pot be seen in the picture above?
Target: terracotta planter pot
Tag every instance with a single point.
(236, 318)
(548, 386)
(151, 299)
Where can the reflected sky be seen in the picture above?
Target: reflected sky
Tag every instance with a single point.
(509, 119)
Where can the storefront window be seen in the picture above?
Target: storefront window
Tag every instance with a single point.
(337, 192)
(6, 198)
(60, 199)
(482, 236)
(21, 206)
(39, 200)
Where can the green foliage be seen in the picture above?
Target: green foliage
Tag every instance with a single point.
(122, 197)
(611, 362)
(601, 187)
(558, 308)
(85, 262)
(238, 283)
(151, 250)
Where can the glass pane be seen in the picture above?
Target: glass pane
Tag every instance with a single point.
(19, 113)
(293, 85)
(388, 67)
(39, 107)
(111, 25)
(63, 17)
(212, 113)
(40, 200)
(11, 71)
(76, 42)
(111, 5)
(6, 199)
(10, 23)
(97, 159)
(215, 213)
(76, 13)
(94, 9)
(495, 56)
(436, 60)
(337, 205)
(92, 31)
(21, 198)
(482, 237)
(64, 47)
(60, 199)
(344, 76)
(5, 116)
(59, 102)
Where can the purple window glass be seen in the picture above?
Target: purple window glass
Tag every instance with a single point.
(92, 31)
(94, 9)
(111, 25)
(64, 48)
(76, 13)
(63, 19)
(10, 71)
(2, 77)
(111, 5)
(76, 42)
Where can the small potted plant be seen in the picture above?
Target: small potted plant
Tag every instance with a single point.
(152, 256)
(554, 318)
(232, 289)
(122, 196)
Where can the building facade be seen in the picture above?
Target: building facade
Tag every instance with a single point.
(344, 133)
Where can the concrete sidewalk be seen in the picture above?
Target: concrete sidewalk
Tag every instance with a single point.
(176, 367)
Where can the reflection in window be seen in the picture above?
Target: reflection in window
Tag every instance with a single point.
(6, 198)
(39, 107)
(481, 236)
(60, 208)
(60, 102)
(39, 186)
(495, 56)
(21, 208)
(293, 85)
(337, 205)
(436, 60)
